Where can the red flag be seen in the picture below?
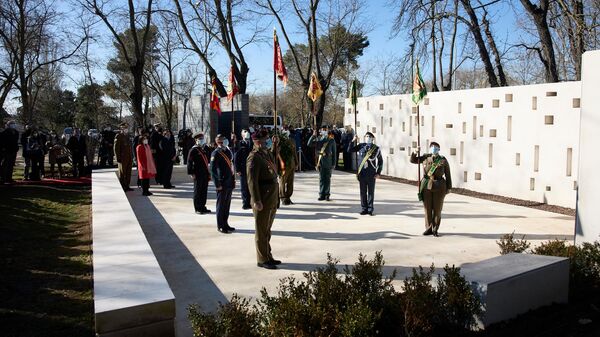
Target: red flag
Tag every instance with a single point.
(278, 65)
(214, 99)
(232, 88)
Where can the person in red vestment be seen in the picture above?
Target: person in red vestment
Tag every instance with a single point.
(145, 164)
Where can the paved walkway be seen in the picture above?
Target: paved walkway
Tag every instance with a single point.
(206, 267)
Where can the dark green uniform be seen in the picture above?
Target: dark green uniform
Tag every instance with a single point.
(286, 168)
(123, 152)
(325, 162)
(433, 188)
(263, 187)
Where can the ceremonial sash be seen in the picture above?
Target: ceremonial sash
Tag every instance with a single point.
(322, 152)
(426, 180)
(367, 156)
(204, 159)
(228, 161)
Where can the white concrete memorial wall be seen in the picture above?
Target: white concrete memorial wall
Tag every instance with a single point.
(519, 141)
(588, 200)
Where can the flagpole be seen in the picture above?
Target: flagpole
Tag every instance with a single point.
(419, 148)
(232, 117)
(275, 99)
(355, 134)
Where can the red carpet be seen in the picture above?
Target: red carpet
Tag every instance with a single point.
(64, 181)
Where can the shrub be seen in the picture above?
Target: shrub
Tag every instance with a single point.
(459, 305)
(508, 244)
(419, 303)
(233, 319)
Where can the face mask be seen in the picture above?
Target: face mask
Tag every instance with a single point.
(226, 142)
(435, 150)
(269, 143)
(35, 135)
(145, 141)
(286, 133)
(245, 135)
(323, 133)
(13, 126)
(369, 140)
(125, 131)
(200, 141)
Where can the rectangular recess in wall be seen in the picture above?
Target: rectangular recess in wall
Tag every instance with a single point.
(357, 124)
(390, 122)
(577, 102)
(414, 109)
(374, 130)
(518, 159)
(403, 126)
(534, 103)
(414, 144)
(481, 130)
(422, 120)
(391, 150)
(508, 97)
(462, 152)
(453, 151)
(478, 106)
(402, 148)
(477, 176)
(367, 105)
(532, 184)
(449, 126)
(495, 103)
(465, 175)
(493, 133)
(387, 166)
(381, 106)
(509, 128)
(536, 159)
(426, 101)
(548, 188)
(569, 161)
(399, 104)
(575, 185)
(464, 129)
(432, 126)
(381, 125)
(490, 154)
(474, 127)
(349, 110)
(551, 94)
(459, 107)
(549, 120)
(410, 125)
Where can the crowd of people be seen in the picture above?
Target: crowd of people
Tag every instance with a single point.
(263, 161)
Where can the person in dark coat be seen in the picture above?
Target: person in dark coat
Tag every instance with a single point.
(106, 151)
(222, 172)
(244, 147)
(168, 155)
(77, 146)
(124, 156)
(9, 146)
(186, 143)
(369, 169)
(346, 143)
(199, 169)
(25, 151)
(35, 153)
(156, 136)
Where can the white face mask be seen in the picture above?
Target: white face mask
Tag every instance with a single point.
(200, 141)
(245, 135)
(226, 142)
(323, 133)
(145, 141)
(369, 140)
(434, 150)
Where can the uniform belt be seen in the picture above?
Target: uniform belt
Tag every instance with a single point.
(267, 182)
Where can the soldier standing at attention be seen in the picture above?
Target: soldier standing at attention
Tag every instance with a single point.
(198, 169)
(223, 176)
(287, 167)
(262, 183)
(433, 186)
(369, 169)
(244, 147)
(326, 146)
(124, 155)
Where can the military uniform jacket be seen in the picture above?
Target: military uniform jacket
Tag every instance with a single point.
(123, 151)
(198, 162)
(241, 156)
(442, 171)
(221, 168)
(326, 153)
(262, 178)
(373, 165)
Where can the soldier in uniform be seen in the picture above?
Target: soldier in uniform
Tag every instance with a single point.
(325, 144)
(262, 183)
(223, 176)
(198, 168)
(286, 158)
(369, 169)
(244, 147)
(433, 186)
(124, 155)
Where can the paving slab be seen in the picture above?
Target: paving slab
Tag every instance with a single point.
(206, 267)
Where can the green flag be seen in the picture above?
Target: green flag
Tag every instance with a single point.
(353, 96)
(419, 90)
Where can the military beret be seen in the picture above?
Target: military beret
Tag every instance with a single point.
(369, 134)
(197, 134)
(262, 134)
(124, 125)
(434, 144)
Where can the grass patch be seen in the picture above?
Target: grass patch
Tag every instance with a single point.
(45, 258)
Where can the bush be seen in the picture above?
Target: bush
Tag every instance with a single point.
(508, 244)
(361, 303)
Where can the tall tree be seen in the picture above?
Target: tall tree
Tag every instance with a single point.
(539, 15)
(135, 54)
(30, 38)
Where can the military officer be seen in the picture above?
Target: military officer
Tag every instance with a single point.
(198, 168)
(124, 155)
(223, 176)
(433, 186)
(369, 169)
(325, 144)
(286, 160)
(262, 183)
(244, 147)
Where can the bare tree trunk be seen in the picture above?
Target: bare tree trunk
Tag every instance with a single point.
(539, 14)
(494, 48)
(434, 86)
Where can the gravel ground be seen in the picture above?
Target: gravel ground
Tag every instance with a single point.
(498, 198)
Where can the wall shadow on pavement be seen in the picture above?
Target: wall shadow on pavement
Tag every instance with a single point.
(336, 236)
